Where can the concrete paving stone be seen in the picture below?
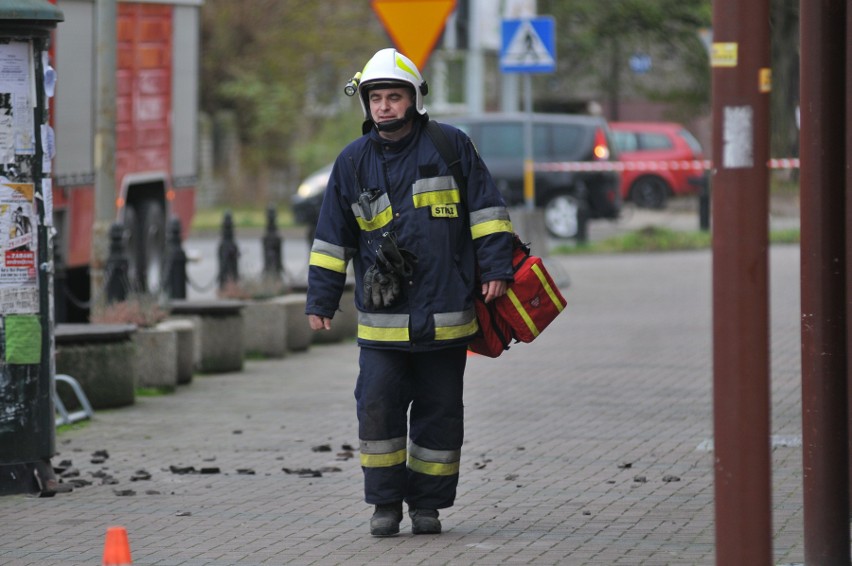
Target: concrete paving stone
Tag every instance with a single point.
(624, 376)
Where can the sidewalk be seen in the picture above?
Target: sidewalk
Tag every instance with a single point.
(590, 446)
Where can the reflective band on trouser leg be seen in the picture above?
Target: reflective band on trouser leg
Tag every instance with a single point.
(434, 462)
(382, 453)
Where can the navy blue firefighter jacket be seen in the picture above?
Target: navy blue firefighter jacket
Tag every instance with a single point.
(412, 194)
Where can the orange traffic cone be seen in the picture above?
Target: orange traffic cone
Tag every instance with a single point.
(117, 548)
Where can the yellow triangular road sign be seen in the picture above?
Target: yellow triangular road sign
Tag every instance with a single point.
(414, 25)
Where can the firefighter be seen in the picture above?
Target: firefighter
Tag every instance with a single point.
(393, 209)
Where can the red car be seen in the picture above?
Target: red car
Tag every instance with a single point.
(659, 159)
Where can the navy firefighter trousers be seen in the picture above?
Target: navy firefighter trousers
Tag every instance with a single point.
(413, 457)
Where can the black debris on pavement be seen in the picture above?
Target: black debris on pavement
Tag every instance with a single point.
(210, 470)
(640, 479)
(347, 447)
(245, 471)
(322, 448)
(511, 477)
(183, 514)
(329, 469)
(303, 472)
(180, 470)
(140, 475)
(625, 465)
(124, 492)
(345, 455)
(152, 492)
(670, 478)
(70, 473)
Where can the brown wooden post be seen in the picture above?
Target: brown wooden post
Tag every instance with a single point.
(825, 423)
(741, 416)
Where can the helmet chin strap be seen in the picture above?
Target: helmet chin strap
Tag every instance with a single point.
(396, 125)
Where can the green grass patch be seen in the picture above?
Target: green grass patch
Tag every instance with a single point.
(655, 239)
(153, 391)
(79, 425)
(244, 217)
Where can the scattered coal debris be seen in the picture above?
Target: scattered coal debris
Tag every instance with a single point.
(99, 457)
(303, 472)
(640, 479)
(105, 477)
(625, 465)
(481, 465)
(670, 478)
(79, 482)
(322, 448)
(347, 452)
(140, 475)
(124, 492)
(245, 472)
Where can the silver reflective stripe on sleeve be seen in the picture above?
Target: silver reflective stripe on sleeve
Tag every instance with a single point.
(330, 256)
(489, 221)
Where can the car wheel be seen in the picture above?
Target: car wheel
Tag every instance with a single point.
(131, 231)
(152, 244)
(565, 216)
(650, 192)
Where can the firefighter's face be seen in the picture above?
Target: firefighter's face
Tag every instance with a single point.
(387, 104)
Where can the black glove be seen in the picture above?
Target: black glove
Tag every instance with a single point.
(380, 289)
(395, 259)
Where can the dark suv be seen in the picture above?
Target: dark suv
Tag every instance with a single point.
(570, 196)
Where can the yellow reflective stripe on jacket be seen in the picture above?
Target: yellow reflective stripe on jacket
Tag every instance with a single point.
(435, 190)
(453, 325)
(490, 221)
(330, 256)
(522, 311)
(547, 288)
(433, 462)
(383, 453)
(378, 327)
(382, 214)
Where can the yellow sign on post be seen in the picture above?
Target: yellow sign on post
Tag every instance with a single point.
(414, 25)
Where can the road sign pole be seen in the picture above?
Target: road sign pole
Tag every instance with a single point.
(529, 158)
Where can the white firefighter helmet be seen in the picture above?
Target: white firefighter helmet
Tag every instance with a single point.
(390, 66)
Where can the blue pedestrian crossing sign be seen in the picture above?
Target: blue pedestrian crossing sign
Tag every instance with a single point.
(528, 45)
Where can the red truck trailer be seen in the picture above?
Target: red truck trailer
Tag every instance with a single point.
(157, 60)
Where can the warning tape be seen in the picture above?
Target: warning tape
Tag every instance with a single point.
(697, 165)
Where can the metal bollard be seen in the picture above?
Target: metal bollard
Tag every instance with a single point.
(703, 184)
(175, 283)
(229, 254)
(116, 266)
(273, 264)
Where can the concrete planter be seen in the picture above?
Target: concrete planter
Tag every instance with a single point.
(219, 340)
(155, 359)
(344, 325)
(97, 355)
(185, 331)
(265, 328)
(298, 332)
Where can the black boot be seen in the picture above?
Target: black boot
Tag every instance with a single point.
(424, 521)
(385, 520)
